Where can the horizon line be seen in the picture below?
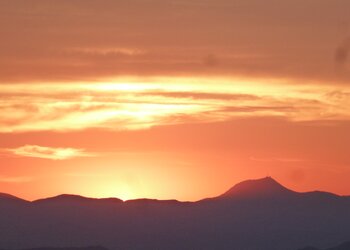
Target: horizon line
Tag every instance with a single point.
(155, 199)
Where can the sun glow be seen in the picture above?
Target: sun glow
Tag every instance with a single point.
(109, 189)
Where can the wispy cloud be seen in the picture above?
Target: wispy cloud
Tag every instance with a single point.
(135, 104)
(202, 95)
(109, 51)
(277, 159)
(16, 179)
(51, 153)
(342, 52)
(118, 38)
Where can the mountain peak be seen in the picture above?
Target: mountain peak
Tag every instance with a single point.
(9, 197)
(63, 197)
(70, 198)
(257, 188)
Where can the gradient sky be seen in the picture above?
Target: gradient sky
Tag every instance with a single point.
(173, 99)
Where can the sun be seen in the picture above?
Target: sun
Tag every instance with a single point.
(125, 195)
(121, 191)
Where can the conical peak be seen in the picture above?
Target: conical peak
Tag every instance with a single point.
(260, 187)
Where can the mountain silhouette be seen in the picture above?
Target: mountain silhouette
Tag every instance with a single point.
(264, 187)
(71, 199)
(4, 196)
(7, 199)
(253, 215)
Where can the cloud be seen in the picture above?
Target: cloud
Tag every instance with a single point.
(134, 104)
(94, 40)
(211, 60)
(17, 179)
(342, 52)
(108, 51)
(51, 153)
(201, 95)
(276, 159)
(250, 109)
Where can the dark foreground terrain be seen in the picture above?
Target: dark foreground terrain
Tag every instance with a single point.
(253, 215)
(344, 246)
(65, 248)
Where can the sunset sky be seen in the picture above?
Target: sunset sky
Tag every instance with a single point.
(173, 99)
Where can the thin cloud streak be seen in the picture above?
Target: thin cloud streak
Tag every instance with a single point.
(277, 159)
(35, 151)
(15, 180)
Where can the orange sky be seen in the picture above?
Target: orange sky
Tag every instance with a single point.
(173, 99)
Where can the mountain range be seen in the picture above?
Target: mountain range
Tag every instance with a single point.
(253, 215)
